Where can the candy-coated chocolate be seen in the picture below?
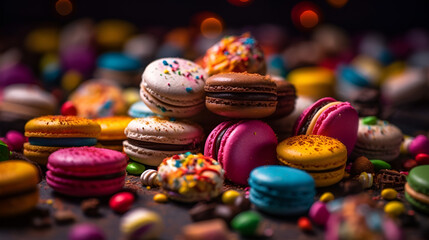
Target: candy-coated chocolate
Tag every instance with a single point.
(380, 164)
(304, 224)
(389, 194)
(370, 120)
(246, 223)
(135, 168)
(86, 231)
(409, 164)
(327, 197)
(229, 196)
(420, 144)
(366, 179)
(361, 164)
(141, 223)
(394, 208)
(160, 198)
(422, 159)
(68, 109)
(121, 202)
(15, 140)
(4, 151)
(318, 213)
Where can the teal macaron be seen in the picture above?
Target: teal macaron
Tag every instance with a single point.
(281, 190)
(118, 61)
(417, 188)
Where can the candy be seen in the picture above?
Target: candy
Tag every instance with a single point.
(68, 109)
(305, 224)
(318, 213)
(419, 144)
(15, 140)
(380, 164)
(361, 164)
(141, 223)
(394, 208)
(135, 168)
(371, 120)
(409, 164)
(4, 151)
(229, 196)
(86, 231)
(121, 202)
(160, 198)
(211, 229)
(389, 193)
(246, 223)
(422, 159)
(326, 197)
(366, 179)
(149, 177)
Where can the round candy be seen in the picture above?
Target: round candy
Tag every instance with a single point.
(318, 213)
(86, 231)
(229, 196)
(121, 202)
(380, 164)
(421, 158)
(361, 164)
(419, 144)
(4, 151)
(246, 223)
(68, 109)
(135, 168)
(409, 164)
(394, 208)
(305, 224)
(160, 198)
(15, 140)
(371, 120)
(366, 179)
(148, 177)
(389, 193)
(327, 197)
(141, 223)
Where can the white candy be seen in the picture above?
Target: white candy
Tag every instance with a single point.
(148, 177)
(366, 179)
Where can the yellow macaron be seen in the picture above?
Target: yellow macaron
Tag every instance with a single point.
(112, 131)
(18, 187)
(324, 158)
(313, 82)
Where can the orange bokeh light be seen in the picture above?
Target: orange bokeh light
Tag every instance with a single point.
(64, 7)
(240, 3)
(211, 27)
(337, 3)
(309, 19)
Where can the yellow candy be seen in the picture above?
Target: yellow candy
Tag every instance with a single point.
(389, 193)
(327, 197)
(394, 208)
(160, 198)
(229, 196)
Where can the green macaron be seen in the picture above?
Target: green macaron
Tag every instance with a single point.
(418, 181)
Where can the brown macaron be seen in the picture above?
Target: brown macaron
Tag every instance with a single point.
(241, 95)
(286, 96)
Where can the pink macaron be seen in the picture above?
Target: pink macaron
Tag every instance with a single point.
(331, 118)
(241, 146)
(86, 171)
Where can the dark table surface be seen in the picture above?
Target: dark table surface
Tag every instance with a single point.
(174, 215)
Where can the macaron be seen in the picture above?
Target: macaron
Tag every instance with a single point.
(47, 134)
(140, 110)
(417, 188)
(286, 97)
(324, 158)
(86, 171)
(235, 54)
(112, 131)
(312, 82)
(241, 95)
(19, 192)
(378, 139)
(281, 190)
(241, 146)
(190, 177)
(330, 118)
(173, 87)
(119, 67)
(151, 139)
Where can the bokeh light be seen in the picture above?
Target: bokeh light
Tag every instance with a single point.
(211, 27)
(337, 3)
(64, 7)
(240, 3)
(305, 15)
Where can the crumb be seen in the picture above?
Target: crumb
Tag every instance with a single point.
(91, 207)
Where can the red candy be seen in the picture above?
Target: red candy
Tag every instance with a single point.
(68, 109)
(305, 224)
(409, 164)
(422, 159)
(121, 202)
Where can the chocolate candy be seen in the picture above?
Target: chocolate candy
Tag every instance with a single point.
(318, 213)
(229, 196)
(135, 168)
(242, 203)
(86, 231)
(202, 211)
(225, 212)
(64, 216)
(246, 223)
(422, 159)
(327, 197)
(4, 151)
(390, 179)
(121, 202)
(15, 140)
(409, 164)
(68, 109)
(304, 224)
(160, 198)
(380, 164)
(389, 193)
(361, 164)
(394, 208)
(91, 207)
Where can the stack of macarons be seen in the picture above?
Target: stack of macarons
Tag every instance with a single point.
(48, 134)
(417, 188)
(112, 131)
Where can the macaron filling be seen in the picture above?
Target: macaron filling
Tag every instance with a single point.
(326, 170)
(244, 96)
(164, 146)
(62, 142)
(219, 140)
(29, 191)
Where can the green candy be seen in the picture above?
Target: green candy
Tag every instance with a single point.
(246, 223)
(135, 168)
(380, 164)
(371, 120)
(4, 151)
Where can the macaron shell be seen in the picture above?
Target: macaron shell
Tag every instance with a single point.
(210, 145)
(417, 204)
(39, 154)
(86, 162)
(317, 115)
(418, 179)
(62, 126)
(182, 87)
(168, 110)
(17, 176)
(241, 109)
(303, 118)
(19, 204)
(245, 146)
(31, 96)
(237, 82)
(162, 130)
(112, 128)
(139, 110)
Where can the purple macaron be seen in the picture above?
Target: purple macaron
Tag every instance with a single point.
(241, 146)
